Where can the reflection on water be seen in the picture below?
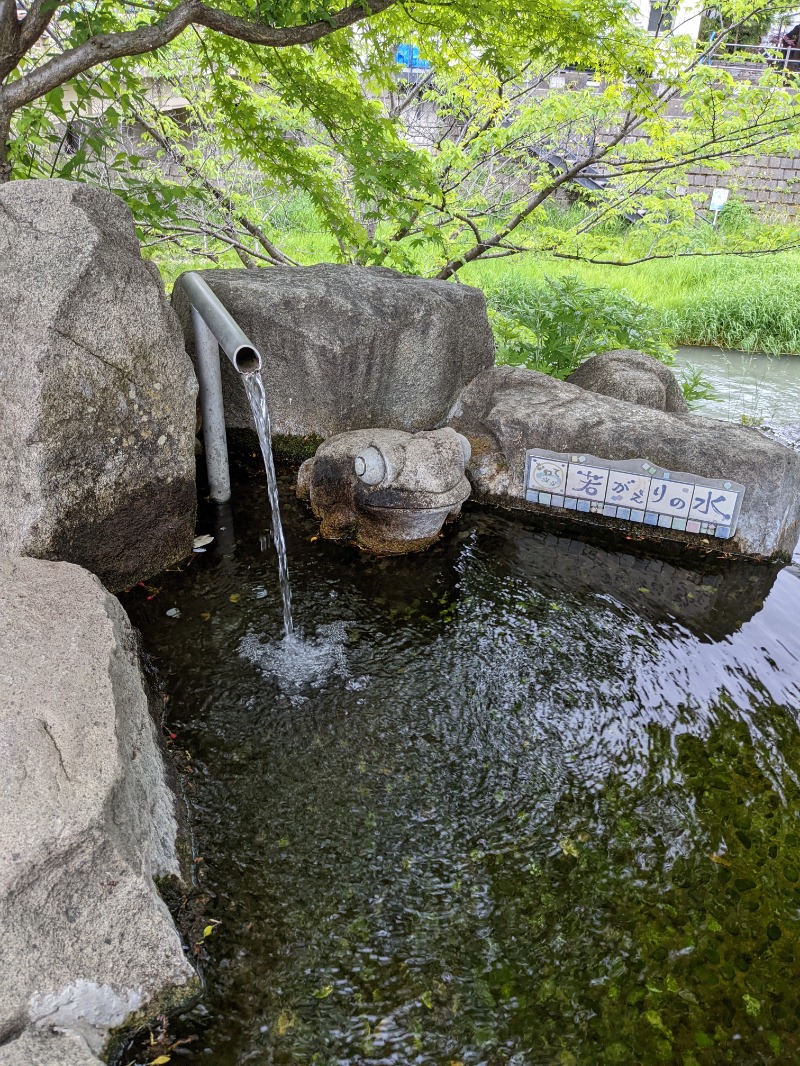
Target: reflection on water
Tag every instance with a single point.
(761, 388)
(516, 800)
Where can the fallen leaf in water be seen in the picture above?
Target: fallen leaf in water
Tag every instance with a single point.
(160, 1060)
(718, 859)
(286, 1021)
(234, 597)
(205, 615)
(323, 993)
(200, 542)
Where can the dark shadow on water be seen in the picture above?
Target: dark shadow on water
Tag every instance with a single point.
(517, 800)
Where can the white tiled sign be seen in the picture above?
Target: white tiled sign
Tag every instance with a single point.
(627, 490)
(633, 490)
(670, 497)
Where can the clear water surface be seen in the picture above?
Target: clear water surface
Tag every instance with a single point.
(518, 800)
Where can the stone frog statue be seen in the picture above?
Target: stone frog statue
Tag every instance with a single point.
(389, 491)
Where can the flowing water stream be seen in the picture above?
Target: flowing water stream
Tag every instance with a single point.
(519, 800)
(257, 397)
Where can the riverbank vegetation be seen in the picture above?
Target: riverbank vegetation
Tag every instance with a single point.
(746, 302)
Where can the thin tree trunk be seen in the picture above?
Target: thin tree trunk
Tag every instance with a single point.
(5, 137)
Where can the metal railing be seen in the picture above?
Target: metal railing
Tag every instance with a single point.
(729, 53)
(214, 328)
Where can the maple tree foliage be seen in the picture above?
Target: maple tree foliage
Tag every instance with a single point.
(425, 170)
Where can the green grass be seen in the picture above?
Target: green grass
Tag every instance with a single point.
(751, 303)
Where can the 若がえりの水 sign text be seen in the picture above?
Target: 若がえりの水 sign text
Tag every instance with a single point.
(633, 490)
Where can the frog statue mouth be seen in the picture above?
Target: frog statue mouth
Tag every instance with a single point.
(387, 490)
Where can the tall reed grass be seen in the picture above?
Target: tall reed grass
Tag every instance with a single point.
(751, 303)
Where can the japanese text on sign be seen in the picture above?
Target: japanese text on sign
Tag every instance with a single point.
(633, 490)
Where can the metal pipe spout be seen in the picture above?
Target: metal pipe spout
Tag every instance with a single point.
(244, 356)
(215, 328)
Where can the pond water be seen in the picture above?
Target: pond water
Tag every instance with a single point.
(763, 388)
(517, 800)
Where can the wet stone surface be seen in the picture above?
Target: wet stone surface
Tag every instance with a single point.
(517, 800)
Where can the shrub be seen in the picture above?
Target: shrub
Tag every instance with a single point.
(554, 327)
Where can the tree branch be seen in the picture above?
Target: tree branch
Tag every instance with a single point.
(9, 37)
(672, 255)
(36, 21)
(219, 196)
(479, 249)
(107, 46)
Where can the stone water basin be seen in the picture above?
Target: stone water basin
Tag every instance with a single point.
(517, 800)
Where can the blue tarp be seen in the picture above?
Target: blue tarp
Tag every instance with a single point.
(408, 55)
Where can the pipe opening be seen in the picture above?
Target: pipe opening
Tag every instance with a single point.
(246, 360)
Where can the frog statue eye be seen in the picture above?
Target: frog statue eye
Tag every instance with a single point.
(370, 466)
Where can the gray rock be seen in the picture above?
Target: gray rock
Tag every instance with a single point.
(348, 347)
(47, 1049)
(786, 435)
(388, 491)
(505, 411)
(633, 376)
(97, 394)
(87, 820)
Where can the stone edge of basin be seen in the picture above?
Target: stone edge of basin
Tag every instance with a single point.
(90, 824)
(98, 392)
(348, 347)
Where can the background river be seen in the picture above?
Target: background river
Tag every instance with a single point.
(760, 387)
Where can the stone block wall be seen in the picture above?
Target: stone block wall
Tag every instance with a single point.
(769, 184)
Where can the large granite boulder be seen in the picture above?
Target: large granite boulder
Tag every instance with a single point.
(633, 376)
(506, 411)
(87, 820)
(97, 394)
(349, 347)
(48, 1049)
(789, 435)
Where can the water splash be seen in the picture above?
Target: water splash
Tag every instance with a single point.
(299, 662)
(254, 388)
